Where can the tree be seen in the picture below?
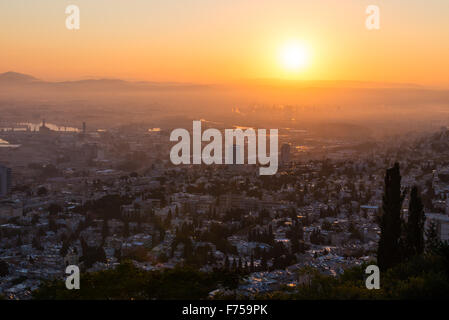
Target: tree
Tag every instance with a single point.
(251, 265)
(355, 233)
(54, 208)
(388, 252)
(52, 225)
(126, 282)
(4, 269)
(167, 221)
(19, 241)
(65, 248)
(414, 238)
(264, 264)
(161, 235)
(35, 219)
(37, 244)
(226, 263)
(118, 254)
(316, 237)
(105, 230)
(126, 229)
(432, 240)
(42, 191)
(163, 257)
(91, 254)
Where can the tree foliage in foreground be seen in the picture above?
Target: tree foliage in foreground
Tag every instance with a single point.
(128, 282)
(421, 277)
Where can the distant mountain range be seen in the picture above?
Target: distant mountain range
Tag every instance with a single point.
(15, 78)
(11, 78)
(356, 94)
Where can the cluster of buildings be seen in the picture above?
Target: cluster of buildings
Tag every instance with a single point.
(95, 198)
(5, 181)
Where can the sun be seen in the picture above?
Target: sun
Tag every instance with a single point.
(294, 56)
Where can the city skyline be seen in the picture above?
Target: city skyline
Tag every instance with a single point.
(240, 150)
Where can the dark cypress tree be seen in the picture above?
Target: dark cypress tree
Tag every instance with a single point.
(251, 266)
(234, 266)
(4, 268)
(105, 230)
(19, 241)
(414, 237)
(226, 263)
(126, 229)
(264, 263)
(388, 252)
(52, 226)
(36, 243)
(65, 248)
(118, 254)
(433, 242)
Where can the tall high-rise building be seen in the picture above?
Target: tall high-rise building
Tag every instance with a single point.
(5, 181)
(285, 154)
(43, 129)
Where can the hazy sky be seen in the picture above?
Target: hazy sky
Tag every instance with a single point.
(226, 40)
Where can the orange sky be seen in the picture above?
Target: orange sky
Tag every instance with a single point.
(225, 41)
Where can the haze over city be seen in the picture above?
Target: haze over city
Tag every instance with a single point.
(94, 94)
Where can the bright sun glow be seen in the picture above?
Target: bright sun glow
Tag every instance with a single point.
(294, 56)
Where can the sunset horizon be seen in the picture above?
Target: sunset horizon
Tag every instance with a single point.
(224, 158)
(244, 82)
(243, 41)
